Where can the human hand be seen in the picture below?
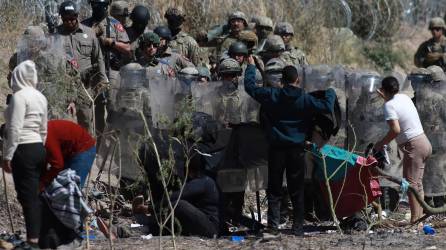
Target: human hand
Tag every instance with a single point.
(106, 41)
(98, 29)
(379, 146)
(250, 60)
(71, 109)
(7, 166)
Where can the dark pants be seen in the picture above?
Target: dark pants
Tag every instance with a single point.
(291, 159)
(28, 163)
(192, 220)
(53, 233)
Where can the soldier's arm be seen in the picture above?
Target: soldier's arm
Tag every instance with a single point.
(98, 59)
(420, 55)
(194, 52)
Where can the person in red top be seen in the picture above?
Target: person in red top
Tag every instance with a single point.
(68, 145)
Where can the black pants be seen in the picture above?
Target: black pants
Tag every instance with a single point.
(53, 233)
(291, 159)
(192, 220)
(28, 163)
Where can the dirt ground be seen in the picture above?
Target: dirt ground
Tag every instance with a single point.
(377, 240)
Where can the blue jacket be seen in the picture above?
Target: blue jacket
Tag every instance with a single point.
(289, 110)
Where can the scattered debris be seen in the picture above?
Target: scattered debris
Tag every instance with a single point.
(147, 237)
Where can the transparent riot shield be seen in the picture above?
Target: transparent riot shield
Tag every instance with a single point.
(322, 77)
(30, 44)
(249, 108)
(55, 83)
(167, 96)
(366, 117)
(204, 96)
(430, 101)
(133, 92)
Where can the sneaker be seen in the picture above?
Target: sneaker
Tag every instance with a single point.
(271, 234)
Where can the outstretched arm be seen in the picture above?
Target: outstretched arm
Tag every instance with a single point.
(260, 94)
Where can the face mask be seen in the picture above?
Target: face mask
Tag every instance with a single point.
(99, 11)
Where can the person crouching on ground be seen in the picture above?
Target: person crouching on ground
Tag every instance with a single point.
(68, 145)
(405, 126)
(290, 111)
(24, 153)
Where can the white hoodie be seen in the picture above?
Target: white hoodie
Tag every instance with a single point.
(26, 115)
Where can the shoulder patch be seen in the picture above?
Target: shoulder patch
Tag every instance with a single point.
(119, 27)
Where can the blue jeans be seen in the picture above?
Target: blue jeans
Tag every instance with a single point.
(81, 163)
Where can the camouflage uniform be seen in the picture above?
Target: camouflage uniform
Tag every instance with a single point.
(223, 43)
(186, 45)
(291, 54)
(174, 60)
(431, 52)
(83, 53)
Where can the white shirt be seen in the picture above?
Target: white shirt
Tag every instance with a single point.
(26, 115)
(401, 108)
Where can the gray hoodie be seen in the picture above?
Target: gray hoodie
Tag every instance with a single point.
(26, 115)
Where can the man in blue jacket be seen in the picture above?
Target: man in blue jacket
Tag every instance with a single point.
(290, 111)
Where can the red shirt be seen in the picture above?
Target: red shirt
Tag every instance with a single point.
(65, 139)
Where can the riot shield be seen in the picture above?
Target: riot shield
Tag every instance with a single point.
(55, 83)
(322, 77)
(167, 96)
(366, 117)
(133, 94)
(430, 99)
(249, 108)
(30, 44)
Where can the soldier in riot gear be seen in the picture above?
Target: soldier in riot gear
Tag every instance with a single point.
(238, 51)
(274, 48)
(237, 22)
(84, 56)
(116, 50)
(140, 17)
(148, 44)
(264, 28)
(182, 42)
(165, 54)
(432, 51)
(286, 31)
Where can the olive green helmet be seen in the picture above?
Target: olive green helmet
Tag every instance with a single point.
(437, 22)
(283, 28)
(264, 21)
(229, 66)
(148, 38)
(274, 43)
(238, 15)
(119, 8)
(238, 48)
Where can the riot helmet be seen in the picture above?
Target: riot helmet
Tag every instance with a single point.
(140, 17)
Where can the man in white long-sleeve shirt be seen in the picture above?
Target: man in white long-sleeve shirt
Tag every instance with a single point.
(24, 152)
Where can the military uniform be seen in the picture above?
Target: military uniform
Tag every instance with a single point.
(294, 56)
(109, 27)
(431, 53)
(186, 45)
(174, 60)
(83, 53)
(133, 38)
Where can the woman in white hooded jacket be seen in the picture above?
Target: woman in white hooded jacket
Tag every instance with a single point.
(24, 152)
